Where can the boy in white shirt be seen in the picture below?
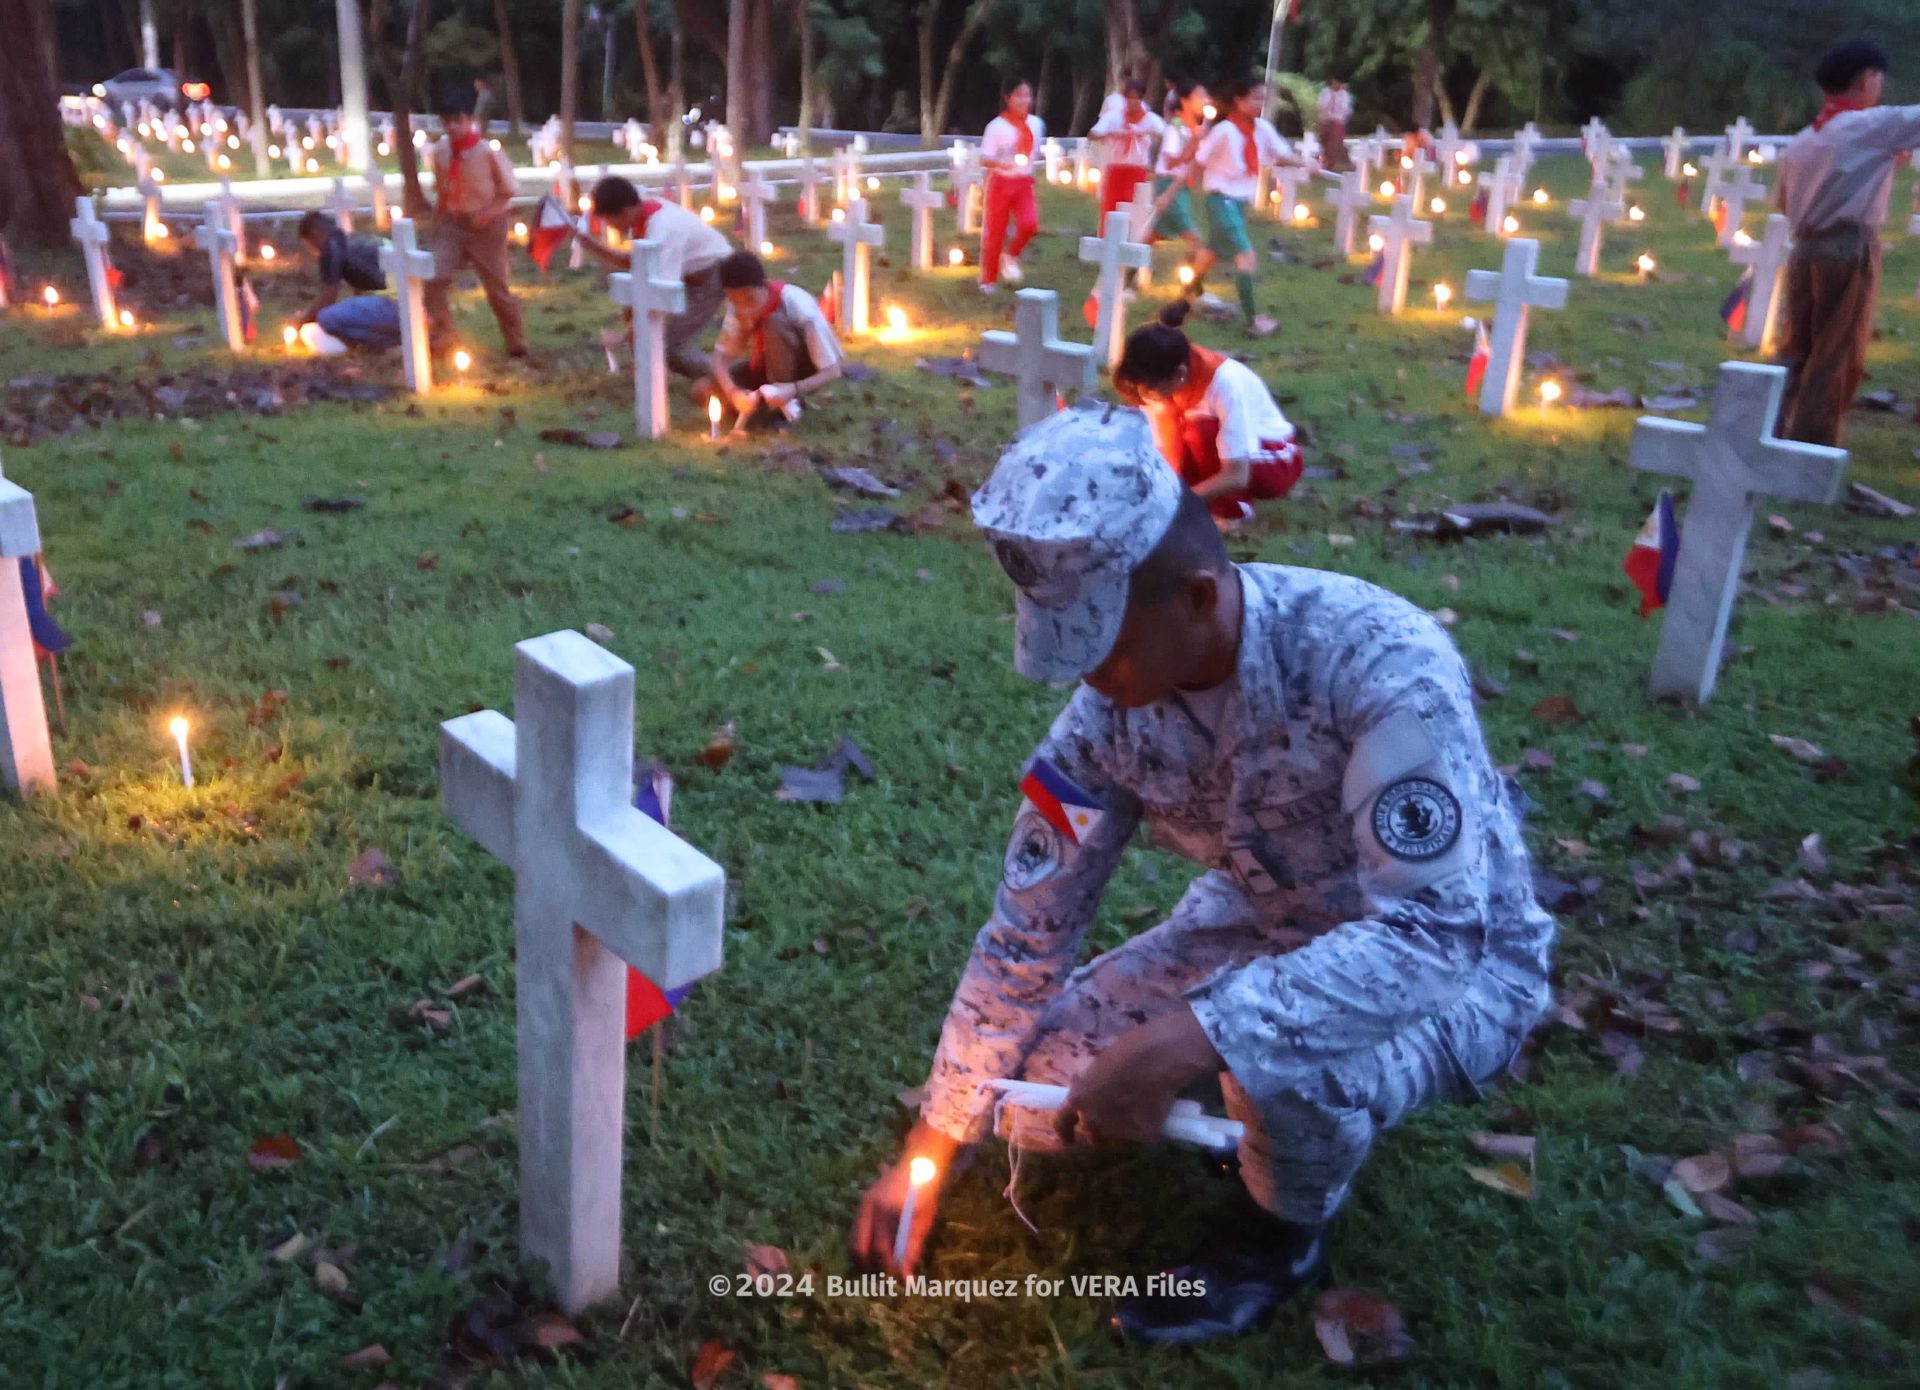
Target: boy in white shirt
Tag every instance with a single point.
(1173, 199)
(690, 250)
(775, 346)
(1335, 106)
(1129, 132)
(1007, 150)
(1229, 160)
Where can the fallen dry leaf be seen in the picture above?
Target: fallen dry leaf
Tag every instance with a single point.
(777, 1380)
(1725, 1210)
(1557, 711)
(468, 984)
(551, 1331)
(329, 1278)
(369, 1356)
(288, 1248)
(274, 1152)
(1509, 1178)
(766, 1259)
(720, 748)
(1703, 1172)
(1516, 1146)
(600, 632)
(1832, 1294)
(709, 1364)
(1797, 748)
(1681, 782)
(1357, 1327)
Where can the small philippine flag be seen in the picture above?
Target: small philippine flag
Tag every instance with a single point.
(1477, 209)
(1068, 809)
(647, 1003)
(1649, 564)
(1734, 307)
(249, 304)
(1477, 364)
(550, 227)
(1375, 268)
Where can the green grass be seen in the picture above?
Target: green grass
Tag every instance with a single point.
(188, 971)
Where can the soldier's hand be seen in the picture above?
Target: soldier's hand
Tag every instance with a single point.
(1125, 1093)
(877, 1225)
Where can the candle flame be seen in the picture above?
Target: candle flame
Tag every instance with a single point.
(1688, 169)
(1740, 238)
(766, 248)
(713, 409)
(1461, 157)
(159, 175)
(273, 151)
(873, 184)
(383, 147)
(1438, 205)
(1386, 188)
(1442, 294)
(1406, 161)
(290, 335)
(1549, 391)
(126, 318)
(1301, 212)
(956, 256)
(519, 231)
(706, 213)
(839, 214)
(178, 728)
(267, 252)
(233, 141)
(1186, 275)
(920, 1171)
(1540, 197)
(1509, 224)
(1210, 111)
(1466, 179)
(493, 144)
(1636, 213)
(462, 359)
(50, 295)
(1376, 242)
(1645, 263)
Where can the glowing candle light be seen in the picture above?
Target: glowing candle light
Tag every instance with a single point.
(160, 232)
(1688, 169)
(1020, 161)
(159, 175)
(1442, 295)
(706, 213)
(1186, 275)
(126, 318)
(919, 1174)
(1461, 157)
(839, 214)
(1549, 393)
(273, 151)
(1376, 242)
(493, 144)
(1406, 161)
(1740, 238)
(519, 231)
(1093, 176)
(1386, 188)
(462, 359)
(233, 142)
(1509, 224)
(1210, 111)
(873, 184)
(713, 417)
(586, 202)
(1753, 156)
(225, 163)
(267, 252)
(896, 328)
(1539, 197)
(289, 335)
(383, 147)
(1301, 212)
(766, 248)
(187, 145)
(1636, 213)
(956, 256)
(1466, 179)
(306, 142)
(51, 296)
(1646, 263)
(1438, 205)
(178, 728)
(313, 166)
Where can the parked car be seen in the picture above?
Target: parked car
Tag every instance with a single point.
(136, 85)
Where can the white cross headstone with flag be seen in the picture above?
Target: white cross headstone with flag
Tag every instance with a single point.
(1043, 367)
(1739, 134)
(652, 298)
(26, 751)
(408, 266)
(1715, 166)
(216, 238)
(857, 237)
(1516, 292)
(1731, 460)
(93, 236)
(1113, 253)
(598, 886)
(1398, 233)
(1738, 189)
(1768, 259)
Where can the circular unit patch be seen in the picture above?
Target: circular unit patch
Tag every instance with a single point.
(1416, 820)
(1033, 855)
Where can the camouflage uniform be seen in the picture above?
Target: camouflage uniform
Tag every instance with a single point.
(1365, 938)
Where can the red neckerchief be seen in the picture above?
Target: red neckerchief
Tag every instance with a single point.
(648, 207)
(1834, 106)
(457, 148)
(1199, 433)
(1244, 124)
(758, 359)
(1019, 123)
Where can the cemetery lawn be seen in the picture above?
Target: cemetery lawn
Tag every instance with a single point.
(187, 974)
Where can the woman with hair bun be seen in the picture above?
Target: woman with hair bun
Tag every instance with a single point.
(1216, 423)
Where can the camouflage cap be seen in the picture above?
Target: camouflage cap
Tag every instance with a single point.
(1074, 505)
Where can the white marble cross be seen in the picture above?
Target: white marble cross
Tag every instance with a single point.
(923, 198)
(809, 192)
(653, 298)
(1363, 154)
(683, 183)
(1731, 460)
(1052, 153)
(1738, 189)
(1621, 171)
(93, 236)
(1113, 252)
(1082, 162)
(841, 178)
(1421, 170)
(1596, 140)
(236, 222)
(1445, 145)
(1714, 166)
(1768, 257)
(26, 753)
(856, 235)
(1675, 146)
(216, 238)
(755, 193)
(1592, 212)
(1041, 365)
(377, 196)
(1516, 291)
(598, 886)
(152, 225)
(340, 205)
(1398, 233)
(407, 266)
(1350, 198)
(965, 184)
(1288, 179)
(1502, 185)
(1738, 135)
(1524, 139)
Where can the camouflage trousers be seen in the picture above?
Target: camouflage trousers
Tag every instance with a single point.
(1307, 1137)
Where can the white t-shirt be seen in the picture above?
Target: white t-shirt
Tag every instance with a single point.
(1223, 160)
(1335, 106)
(1137, 147)
(1001, 142)
(797, 313)
(1239, 400)
(687, 245)
(1843, 172)
(1173, 145)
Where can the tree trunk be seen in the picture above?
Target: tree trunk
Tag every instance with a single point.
(1471, 116)
(569, 74)
(1444, 102)
(760, 62)
(149, 36)
(353, 83)
(804, 18)
(606, 68)
(256, 111)
(1426, 65)
(934, 104)
(230, 53)
(649, 68)
(1123, 32)
(510, 65)
(181, 23)
(401, 89)
(1086, 91)
(1043, 82)
(738, 20)
(37, 181)
(677, 90)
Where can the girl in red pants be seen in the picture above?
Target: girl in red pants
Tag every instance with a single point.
(1007, 150)
(1130, 132)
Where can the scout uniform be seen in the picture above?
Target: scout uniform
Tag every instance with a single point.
(466, 178)
(1835, 177)
(1007, 149)
(1224, 411)
(690, 251)
(1176, 146)
(1335, 109)
(790, 341)
(1231, 156)
(1364, 937)
(1129, 154)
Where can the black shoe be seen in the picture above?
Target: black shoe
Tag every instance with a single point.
(1248, 1264)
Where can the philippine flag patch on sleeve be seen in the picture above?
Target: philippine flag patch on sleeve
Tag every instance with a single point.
(1068, 809)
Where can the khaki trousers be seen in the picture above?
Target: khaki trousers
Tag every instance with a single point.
(483, 248)
(1832, 277)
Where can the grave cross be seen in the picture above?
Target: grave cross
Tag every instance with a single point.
(1053, 154)
(216, 238)
(1596, 140)
(1364, 154)
(841, 183)
(1041, 365)
(340, 204)
(755, 193)
(93, 236)
(1417, 176)
(407, 266)
(598, 886)
(965, 183)
(809, 192)
(1516, 292)
(1735, 193)
(1287, 179)
(377, 196)
(152, 225)
(1731, 460)
(1112, 252)
(235, 221)
(1398, 233)
(683, 185)
(923, 199)
(26, 753)
(1675, 146)
(1738, 135)
(1524, 139)
(1592, 212)
(856, 235)
(653, 298)
(1768, 257)
(1502, 185)
(1621, 171)
(1715, 167)
(1445, 146)
(1350, 199)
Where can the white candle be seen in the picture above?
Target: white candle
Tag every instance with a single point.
(179, 728)
(713, 417)
(919, 1174)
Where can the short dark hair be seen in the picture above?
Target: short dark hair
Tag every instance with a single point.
(1240, 86)
(454, 100)
(614, 194)
(1154, 353)
(1192, 545)
(742, 271)
(1134, 87)
(1845, 62)
(1013, 84)
(312, 222)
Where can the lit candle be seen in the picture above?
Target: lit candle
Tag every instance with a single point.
(159, 175)
(1020, 161)
(1636, 213)
(1376, 242)
(1301, 212)
(179, 730)
(126, 318)
(1549, 393)
(766, 248)
(839, 214)
(273, 151)
(1386, 188)
(1740, 238)
(187, 145)
(462, 359)
(519, 231)
(706, 213)
(713, 417)
(873, 184)
(1461, 157)
(1688, 169)
(956, 256)
(493, 145)
(1186, 275)
(919, 1174)
(1509, 224)
(1439, 205)
(1406, 161)
(267, 252)
(1210, 111)
(290, 335)
(1442, 295)
(1539, 197)
(51, 296)
(384, 148)
(1645, 263)
(233, 142)
(1466, 179)
(586, 202)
